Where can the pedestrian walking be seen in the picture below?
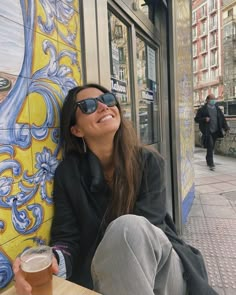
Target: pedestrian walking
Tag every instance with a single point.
(213, 125)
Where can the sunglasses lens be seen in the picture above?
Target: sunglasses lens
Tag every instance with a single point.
(109, 99)
(88, 106)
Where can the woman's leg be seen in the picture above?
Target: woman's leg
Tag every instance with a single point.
(135, 257)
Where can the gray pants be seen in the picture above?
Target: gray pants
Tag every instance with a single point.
(136, 258)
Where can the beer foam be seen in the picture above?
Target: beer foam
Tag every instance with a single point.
(36, 263)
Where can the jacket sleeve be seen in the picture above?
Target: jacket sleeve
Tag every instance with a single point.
(151, 201)
(199, 118)
(224, 122)
(64, 231)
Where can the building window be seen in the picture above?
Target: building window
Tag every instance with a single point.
(204, 93)
(203, 28)
(214, 58)
(213, 22)
(203, 44)
(203, 11)
(194, 32)
(213, 39)
(229, 30)
(195, 65)
(195, 80)
(215, 91)
(230, 12)
(194, 17)
(204, 76)
(118, 32)
(194, 49)
(214, 74)
(204, 62)
(212, 5)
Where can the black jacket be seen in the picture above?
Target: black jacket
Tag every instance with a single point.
(81, 196)
(204, 126)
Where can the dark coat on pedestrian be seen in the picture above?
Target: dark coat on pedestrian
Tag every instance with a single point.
(82, 196)
(204, 126)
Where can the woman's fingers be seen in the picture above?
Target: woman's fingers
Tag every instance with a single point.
(55, 267)
(21, 285)
(16, 265)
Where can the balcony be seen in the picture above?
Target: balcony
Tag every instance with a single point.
(213, 44)
(203, 34)
(212, 8)
(203, 15)
(213, 26)
(214, 63)
(229, 19)
(203, 50)
(229, 38)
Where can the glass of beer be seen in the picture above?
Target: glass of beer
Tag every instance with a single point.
(36, 266)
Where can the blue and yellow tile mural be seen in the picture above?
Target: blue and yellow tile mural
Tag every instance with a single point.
(40, 60)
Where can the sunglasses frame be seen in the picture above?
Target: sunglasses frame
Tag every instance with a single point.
(100, 98)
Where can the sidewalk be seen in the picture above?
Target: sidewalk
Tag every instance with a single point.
(211, 225)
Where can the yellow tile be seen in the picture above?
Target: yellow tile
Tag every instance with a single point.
(7, 231)
(43, 15)
(24, 158)
(73, 4)
(68, 24)
(23, 220)
(6, 156)
(44, 49)
(23, 114)
(46, 106)
(72, 59)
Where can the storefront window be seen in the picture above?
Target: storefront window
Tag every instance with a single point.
(119, 62)
(147, 92)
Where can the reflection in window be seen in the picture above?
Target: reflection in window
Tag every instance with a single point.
(147, 93)
(119, 62)
(144, 7)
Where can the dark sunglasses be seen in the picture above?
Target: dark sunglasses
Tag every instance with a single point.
(90, 105)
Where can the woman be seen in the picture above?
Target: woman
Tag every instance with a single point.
(110, 230)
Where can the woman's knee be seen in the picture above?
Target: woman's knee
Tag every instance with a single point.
(133, 229)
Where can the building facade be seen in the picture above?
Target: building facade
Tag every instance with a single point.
(229, 55)
(207, 50)
(141, 50)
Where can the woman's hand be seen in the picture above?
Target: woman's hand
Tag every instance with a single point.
(21, 285)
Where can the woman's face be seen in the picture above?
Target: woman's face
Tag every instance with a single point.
(104, 121)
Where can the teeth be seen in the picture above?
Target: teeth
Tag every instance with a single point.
(106, 118)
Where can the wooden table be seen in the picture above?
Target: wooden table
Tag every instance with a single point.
(60, 287)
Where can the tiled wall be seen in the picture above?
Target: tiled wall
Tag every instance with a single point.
(40, 59)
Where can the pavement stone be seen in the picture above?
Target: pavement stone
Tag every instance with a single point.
(211, 224)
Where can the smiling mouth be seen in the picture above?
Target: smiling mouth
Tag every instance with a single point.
(108, 117)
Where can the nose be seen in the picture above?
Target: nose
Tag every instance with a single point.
(101, 106)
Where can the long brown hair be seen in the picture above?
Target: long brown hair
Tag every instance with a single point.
(126, 155)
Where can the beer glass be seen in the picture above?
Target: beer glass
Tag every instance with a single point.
(36, 266)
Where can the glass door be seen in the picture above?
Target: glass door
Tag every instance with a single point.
(148, 98)
(119, 63)
(133, 58)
